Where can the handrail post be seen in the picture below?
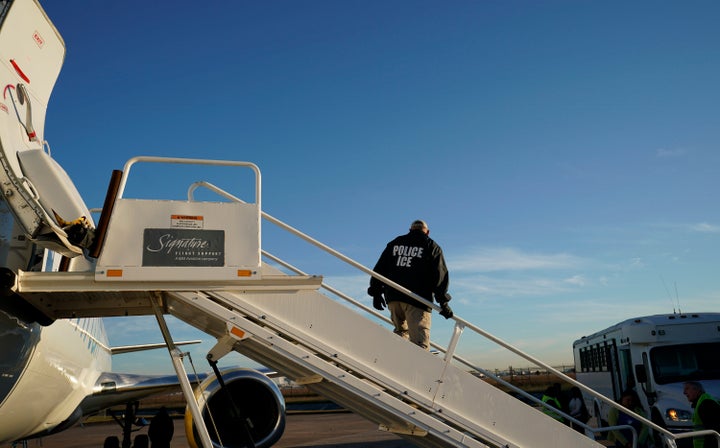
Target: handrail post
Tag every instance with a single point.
(185, 386)
(457, 332)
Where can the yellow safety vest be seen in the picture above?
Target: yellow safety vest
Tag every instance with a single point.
(549, 410)
(699, 442)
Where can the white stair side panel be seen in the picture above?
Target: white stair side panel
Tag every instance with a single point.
(318, 321)
(180, 241)
(368, 399)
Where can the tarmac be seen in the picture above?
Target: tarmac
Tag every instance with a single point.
(312, 430)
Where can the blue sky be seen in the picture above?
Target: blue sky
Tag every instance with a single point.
(564, 153)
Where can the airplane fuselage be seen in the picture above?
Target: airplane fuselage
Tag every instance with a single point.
(46, 372)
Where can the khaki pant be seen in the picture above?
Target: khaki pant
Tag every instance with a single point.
(411, 323)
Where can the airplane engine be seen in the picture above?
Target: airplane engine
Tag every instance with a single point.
(250, 406)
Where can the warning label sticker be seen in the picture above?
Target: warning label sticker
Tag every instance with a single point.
(187, 222)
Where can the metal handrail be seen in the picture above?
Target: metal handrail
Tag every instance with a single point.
(702, 432)
(184, 161)
(460, 324)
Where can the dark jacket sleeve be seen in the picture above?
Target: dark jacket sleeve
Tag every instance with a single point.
(440, 290)
(381, 267)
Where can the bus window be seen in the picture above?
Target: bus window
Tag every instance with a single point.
(626, 369)
(685, 362)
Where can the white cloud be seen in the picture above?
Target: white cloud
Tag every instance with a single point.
(666, 153)
(704, 227)
(518, 286)
(510, 259)
(577, 280)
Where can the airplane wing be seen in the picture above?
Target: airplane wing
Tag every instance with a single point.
(141, 347)
(115, 389)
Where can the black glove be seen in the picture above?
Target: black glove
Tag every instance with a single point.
(446, 311)
(379, 302)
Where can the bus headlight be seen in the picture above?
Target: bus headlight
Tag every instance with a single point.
(678, 415)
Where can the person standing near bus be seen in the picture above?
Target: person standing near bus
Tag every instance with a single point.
(415, 262)
(577, 409)
(552, 401)
(623, 438)
(706, 414)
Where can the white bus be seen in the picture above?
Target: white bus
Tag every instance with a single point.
(653, 355)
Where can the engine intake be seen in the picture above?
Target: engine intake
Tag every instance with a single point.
(254, 409)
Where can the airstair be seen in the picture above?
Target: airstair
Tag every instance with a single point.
(201, 261)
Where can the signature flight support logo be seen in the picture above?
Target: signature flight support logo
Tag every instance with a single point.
(183, 247)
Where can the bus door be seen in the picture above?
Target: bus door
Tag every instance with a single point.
(613, 366)
(626, 369)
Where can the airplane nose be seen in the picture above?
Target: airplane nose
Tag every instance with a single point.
(17, 341)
